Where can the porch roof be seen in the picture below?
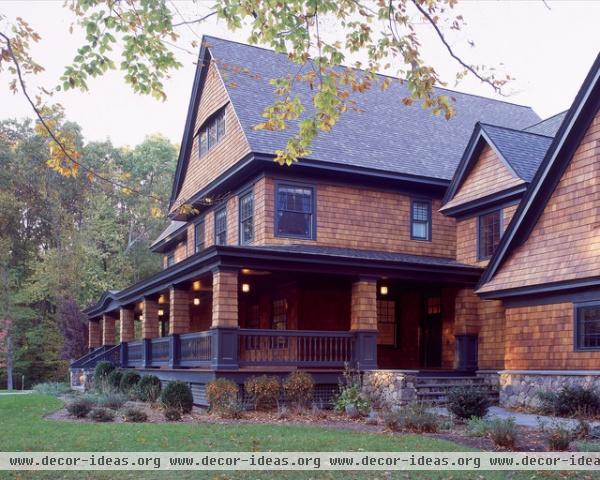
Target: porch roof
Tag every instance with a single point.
(296, 258)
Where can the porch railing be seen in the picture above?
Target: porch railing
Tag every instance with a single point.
(232, 347)
(295, 347)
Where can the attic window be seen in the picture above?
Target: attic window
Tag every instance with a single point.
(211, 133)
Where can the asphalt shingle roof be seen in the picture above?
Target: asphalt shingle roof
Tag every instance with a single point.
(171, 228)
(386, 135)
(524, 151)
(549, 126)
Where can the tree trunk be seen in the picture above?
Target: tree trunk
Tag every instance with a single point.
(9, 360)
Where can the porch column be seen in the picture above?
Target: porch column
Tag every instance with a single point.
(94, 334)
(179, 311)
(225, 318)
(127, 316)
(466, 329)
(363, 322)
(149, 318)
(108, 329)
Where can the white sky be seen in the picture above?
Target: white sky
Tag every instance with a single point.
(548, 51)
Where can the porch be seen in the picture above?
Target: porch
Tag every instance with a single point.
(277, 314)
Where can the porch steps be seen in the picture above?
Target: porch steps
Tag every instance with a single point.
(431, 389)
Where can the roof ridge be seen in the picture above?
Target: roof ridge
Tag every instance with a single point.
(515, 130)
(224, 40)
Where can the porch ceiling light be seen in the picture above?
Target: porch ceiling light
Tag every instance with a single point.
(196, 301)
(383, 290)
(245, 287)
(196, 285)
(161, 312)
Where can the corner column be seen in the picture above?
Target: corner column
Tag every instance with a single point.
(363, 322)
(225, 318)
(94, 334)
(466, 329)
(108, 329)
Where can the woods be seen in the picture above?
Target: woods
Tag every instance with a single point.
(65, 240)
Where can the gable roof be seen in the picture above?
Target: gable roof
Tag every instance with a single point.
(549, 126)
(521, 152)
(574, 125)
(386, 135)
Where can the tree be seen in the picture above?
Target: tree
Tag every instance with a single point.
(146, 32)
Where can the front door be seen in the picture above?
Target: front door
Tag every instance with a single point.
(431, 332)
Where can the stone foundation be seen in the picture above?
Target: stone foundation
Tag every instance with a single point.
(389, 388)
(519, 388)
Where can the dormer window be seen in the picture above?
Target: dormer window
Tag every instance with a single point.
(211, 132)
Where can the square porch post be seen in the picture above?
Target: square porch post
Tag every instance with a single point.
(127, 317)
(179, 311)
(94, 334)
(149, 328)
(108, 329)
(363, 322)
(225, 318)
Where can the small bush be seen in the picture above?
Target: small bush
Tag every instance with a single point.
(173, 414)
(477, 427)
(413, 417)
(570, 401)
(503, 432)
(129, 381)
(298, 388)
(558, 436)
(263, 391)
(100, 414)
(149, 388)
(177, 395)
(222, 396)
(351, 394)
(52, 388)
(80, 407)
(467, 402)
(112, 400)
(102, 371)
(135, 415)
(114, 379)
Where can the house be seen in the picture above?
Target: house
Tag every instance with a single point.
(403, 245)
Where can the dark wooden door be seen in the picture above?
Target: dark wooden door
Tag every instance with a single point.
(431, 332)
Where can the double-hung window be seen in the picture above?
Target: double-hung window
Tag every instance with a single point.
(211, 133)
(587, 327)
(221, 227)
(420, 220)
(246, 218)
(489, 226)
(199, 236)
(294, 216)
(170, 259)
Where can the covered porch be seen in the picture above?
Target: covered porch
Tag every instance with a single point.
(282, 308)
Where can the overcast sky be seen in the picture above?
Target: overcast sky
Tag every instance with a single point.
(547, 50)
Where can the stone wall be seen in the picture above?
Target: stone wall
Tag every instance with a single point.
(519, 388)
(389, 388)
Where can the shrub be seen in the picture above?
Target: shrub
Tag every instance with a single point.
(477, 427)
(133, 414)
(129, 381)
(413, 417)
(100, 414)
(52, 388)
(149, 388)
(114, 379)
(570, 401)
(222, 396)
(173, 414)
(558, 436)
(112, 400)
(177, 395)
(298, 388)
(467, 402)
(263, 391)
(350, 393)
(503, 432)
(101, 373)
(80, 407)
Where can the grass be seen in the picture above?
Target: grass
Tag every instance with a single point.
(21, 418)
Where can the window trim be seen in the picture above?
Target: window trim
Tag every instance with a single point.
(243, 194)
(313, 223)
(202, 222)
(577, 307)
(217, 211)
(500, 212)
(429, 221)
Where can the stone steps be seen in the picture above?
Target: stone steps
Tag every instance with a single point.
(434, 390)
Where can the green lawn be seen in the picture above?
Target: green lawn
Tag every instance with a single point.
(24, 429)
